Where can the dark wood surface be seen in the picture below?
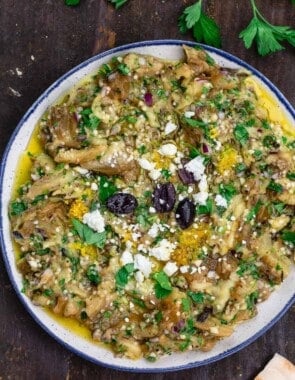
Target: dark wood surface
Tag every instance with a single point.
(39, 41)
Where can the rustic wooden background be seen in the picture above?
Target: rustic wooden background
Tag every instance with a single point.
(39, 41)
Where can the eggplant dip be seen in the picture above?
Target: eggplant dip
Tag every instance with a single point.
(160, 209)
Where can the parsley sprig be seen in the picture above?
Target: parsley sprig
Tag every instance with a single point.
(204, 28)
(268, 37)
(72, 3)
(118, 3)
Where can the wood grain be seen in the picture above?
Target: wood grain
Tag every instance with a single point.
(40, 41)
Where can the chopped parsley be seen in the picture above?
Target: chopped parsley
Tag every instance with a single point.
(241, 134)
(123, 275)
(93, 275)
(251, 300)
(107, 188)
(227, 191)
(275, 187)
(248, 267)
(289, 236)
(162, 286)
(197, 297)
(17, 208)
(88, 235)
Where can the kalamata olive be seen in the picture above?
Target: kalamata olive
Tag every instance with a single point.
(164, 197)
(185, 213)
(185, 176)
(17, 235)
(205, 314)
(121, 203)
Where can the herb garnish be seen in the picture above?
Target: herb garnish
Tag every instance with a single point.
(251, 300)
(17, 208)
(289, 236)
(123, 275)
(241, 134)
(266, 35)
(163, 286)
(93, 275)
(275, 187)
(118, 3)
(197, 297)
(72, 3)
(106, 188)
(204, 28)
(88, 235)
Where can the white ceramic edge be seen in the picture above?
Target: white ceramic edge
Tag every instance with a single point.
(269, 312)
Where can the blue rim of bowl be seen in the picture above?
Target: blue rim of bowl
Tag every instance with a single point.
(32, 109)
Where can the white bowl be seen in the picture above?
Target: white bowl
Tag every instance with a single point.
(269, 311)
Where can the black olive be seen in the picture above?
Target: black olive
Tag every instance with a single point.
(185, 176)
(185, 213)
(207, 311)
(17, 235)
(164, 197)
(121, 203)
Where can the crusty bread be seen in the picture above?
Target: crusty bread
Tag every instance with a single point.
(278, 368)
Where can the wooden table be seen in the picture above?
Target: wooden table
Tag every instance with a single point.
(42, 39)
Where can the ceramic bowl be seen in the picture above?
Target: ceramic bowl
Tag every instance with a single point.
(269, 311)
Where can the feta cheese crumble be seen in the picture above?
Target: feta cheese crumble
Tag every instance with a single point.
(189, 114)
(170, 127)
(196, 167)
(201, 198)
(163, 250)
(80, 170)
(170, 268)
(94, 220)
(154, 230)
(143, 263)
(126, 258)
(220, 201)
(169, 150)
(155, 174)
(146, 164)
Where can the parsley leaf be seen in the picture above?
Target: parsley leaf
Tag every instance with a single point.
(88, 235)
(72, 3)
(241, 134)
(266, 35)
(291, 176)
(123, 275)
(106, 188)
(205, 209)
(227, 191)
(197, 297)
(289, 236)
(248, 267)
(88, 120)
(254, 211)
(123, 69)
(118, 3)
(17, 208)
(166, 173)
(203, 27)
(251, 300)
(93, 275)
(163, 286)
(277, 208)
(276, 187)
(186, 304)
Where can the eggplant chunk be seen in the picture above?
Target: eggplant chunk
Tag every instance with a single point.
(49, 183)
(117, 160)
(61, 130)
